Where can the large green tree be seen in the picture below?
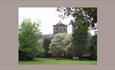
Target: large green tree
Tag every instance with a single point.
(83, 19)
(28, 39)
(80, 36)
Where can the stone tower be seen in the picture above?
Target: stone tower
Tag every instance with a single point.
(59, 28)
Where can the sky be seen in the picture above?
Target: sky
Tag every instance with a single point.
(46, 16)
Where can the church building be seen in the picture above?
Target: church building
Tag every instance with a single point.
(59, 28)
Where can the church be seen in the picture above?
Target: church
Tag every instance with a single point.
(58, 28)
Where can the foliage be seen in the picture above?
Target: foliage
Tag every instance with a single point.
(79, 35)
(40, 42)
(68, 46)
(60, 44)
(88, 13)
(27, 54)
(28, 38)
(83, 19)
(80, 40)
(40, 49)
(92, 12)
(57, 45)
(40, 52)
(93, 47)
(46, 43)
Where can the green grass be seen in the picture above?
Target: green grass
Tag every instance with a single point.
(54, 61)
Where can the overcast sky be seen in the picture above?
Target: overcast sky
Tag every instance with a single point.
(46, 16)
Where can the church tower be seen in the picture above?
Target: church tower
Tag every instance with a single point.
(59, 28)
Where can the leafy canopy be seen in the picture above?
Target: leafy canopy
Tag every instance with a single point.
(60, 44)
(28, 39)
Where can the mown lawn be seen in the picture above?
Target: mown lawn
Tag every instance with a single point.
(54, 61)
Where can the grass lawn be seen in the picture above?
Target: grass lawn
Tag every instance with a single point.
(54, 61)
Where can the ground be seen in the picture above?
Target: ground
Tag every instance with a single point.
(54, 61)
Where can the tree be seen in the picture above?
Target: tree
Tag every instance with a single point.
(60, 44)
(92, 13)
(93, 47)
(80, 38)
(83, 19)
(88, 13)
(28, 39)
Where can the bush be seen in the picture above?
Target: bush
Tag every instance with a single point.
(26, 54)
(40, 52)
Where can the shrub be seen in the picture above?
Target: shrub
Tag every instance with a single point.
(40, 52)
(26, 54)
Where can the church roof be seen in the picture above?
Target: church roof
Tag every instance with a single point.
(60, 23)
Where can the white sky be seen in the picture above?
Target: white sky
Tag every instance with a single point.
(47, 16)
